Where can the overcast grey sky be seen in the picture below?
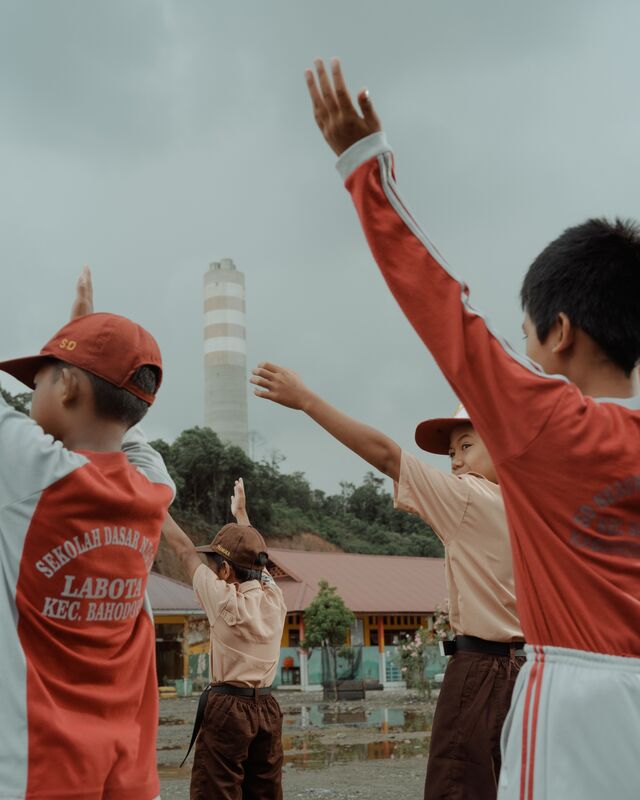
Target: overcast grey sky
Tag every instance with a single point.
(150, 137)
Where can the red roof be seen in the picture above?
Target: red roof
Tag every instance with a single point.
(368, 584)
(171, 597)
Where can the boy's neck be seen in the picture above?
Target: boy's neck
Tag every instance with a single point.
(95, 436)
(606, 380)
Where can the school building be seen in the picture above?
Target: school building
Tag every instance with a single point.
(389, 595)
(182, 631)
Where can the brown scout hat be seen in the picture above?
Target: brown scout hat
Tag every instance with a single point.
(239, 544)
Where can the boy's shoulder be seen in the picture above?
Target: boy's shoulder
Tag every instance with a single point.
(30, 459)
(483, 492)
(271, 589)
(416, 468)
(479, 482)
(145, 459)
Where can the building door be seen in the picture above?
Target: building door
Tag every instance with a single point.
(168, 653)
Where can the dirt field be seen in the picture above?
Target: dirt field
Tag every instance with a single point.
(374, 749)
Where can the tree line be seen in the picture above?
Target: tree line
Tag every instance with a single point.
(359, 519)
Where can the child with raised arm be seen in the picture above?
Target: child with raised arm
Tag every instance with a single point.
(566, 446)
(79, 528)
(466, 511)
(239, 722)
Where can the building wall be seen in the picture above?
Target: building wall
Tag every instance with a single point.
(225, 353)
(182, 647)
(291, 630)
(394, 625)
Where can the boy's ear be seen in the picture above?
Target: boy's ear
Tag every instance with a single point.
(231, 576)
(563, 333)
(225, 571)
(69, 386)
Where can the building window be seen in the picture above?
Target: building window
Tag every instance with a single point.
(294, 637)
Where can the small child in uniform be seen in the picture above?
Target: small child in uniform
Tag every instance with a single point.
(239, 744)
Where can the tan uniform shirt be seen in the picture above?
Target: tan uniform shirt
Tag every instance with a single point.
(246, 623)
(467, 514)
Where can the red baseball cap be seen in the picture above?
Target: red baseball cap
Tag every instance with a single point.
(433, 435)
(106, 345)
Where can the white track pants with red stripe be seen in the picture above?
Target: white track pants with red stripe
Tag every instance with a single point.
(573, 730)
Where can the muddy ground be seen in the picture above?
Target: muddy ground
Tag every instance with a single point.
(373, 749)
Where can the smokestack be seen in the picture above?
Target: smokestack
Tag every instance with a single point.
(225, 354)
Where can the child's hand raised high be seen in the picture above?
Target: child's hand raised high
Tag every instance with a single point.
(282, 385)
(239, 503)
(83, 301)
(334, 112)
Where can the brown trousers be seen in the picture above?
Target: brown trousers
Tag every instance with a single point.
(239, 750)
(464, 754)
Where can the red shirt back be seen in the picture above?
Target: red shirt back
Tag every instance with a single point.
(80, 532)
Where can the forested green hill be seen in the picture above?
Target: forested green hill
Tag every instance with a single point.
(360, 519)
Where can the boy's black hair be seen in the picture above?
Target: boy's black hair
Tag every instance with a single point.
(591, 272)
(242, 574)
(114, 403)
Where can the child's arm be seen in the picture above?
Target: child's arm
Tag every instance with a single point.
(508, 398)
(285, 387)
(147, 460)
(182, 546)
(239, 503)
(239, 511)
(31, 460)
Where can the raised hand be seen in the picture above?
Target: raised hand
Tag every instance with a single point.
(239, 503)
(335, 114)
(83, 302)
(282, 385)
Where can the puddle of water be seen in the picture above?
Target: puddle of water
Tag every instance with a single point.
(385, 719)
(304, 727)
(321, 756)
(307, 754)
(416, 721)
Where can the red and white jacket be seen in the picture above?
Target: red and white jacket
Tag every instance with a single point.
(78, 689)
(568, 465)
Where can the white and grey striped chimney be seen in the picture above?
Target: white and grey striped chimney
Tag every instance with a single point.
(225, 353)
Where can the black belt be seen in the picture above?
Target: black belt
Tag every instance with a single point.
(238, 691)
(220, 688)
(472, 644)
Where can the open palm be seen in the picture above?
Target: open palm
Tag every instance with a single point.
(333, 109)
